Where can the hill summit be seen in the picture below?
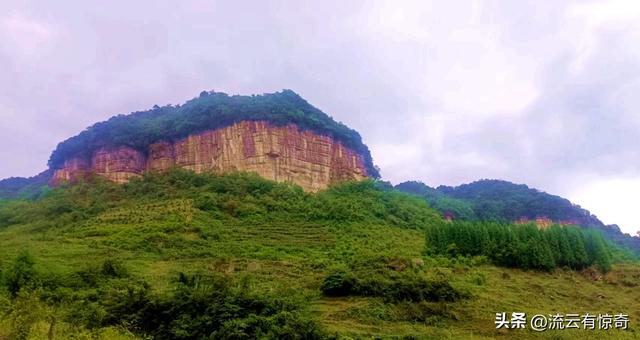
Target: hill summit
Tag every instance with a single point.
(279, 136)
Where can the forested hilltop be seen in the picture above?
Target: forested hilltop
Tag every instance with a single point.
(503, 201)
(211, 110)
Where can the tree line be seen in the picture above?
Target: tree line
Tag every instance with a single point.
(521, 246)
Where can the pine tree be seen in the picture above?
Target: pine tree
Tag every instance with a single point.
(579, 252)
(566, 253)
(597, 251)
(522, 246)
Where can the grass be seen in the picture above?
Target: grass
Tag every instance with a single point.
(505, 290)
(157, 239)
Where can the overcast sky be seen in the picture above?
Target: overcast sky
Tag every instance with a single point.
(545, 93)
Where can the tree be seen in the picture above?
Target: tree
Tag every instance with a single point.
(20, 274)
(597, 251)
(522, 246)
(579, 252)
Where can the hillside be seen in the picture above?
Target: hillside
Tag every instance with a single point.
(186, 256)
(446, 205)
(20, 187)
(497, 200)
(505, 201)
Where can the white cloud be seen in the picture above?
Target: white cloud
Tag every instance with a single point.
(539, 92)
(614, 200)
(25, 35)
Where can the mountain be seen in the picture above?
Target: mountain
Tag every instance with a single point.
(280, 136)
(497, 200)
(503, 200)
(244, 217)
(21, 187)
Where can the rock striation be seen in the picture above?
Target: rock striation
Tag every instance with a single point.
(280, 153)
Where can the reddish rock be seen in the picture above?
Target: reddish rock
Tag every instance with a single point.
(161, 156)
(283, 154)
(119, 164)
(543, 222)
(73, 169)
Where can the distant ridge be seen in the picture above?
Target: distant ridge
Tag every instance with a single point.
(499, 200)
(26, 188)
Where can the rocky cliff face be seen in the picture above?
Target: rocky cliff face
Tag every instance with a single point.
(73, 168)
(544, 222)
(283, 154)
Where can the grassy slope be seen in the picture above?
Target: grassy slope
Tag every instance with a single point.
(157, 239)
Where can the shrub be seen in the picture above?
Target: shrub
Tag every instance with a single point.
(203, 307)
(87, 314)
(391, 286)
(114, 269)
(338, 283)
(23, 313)
(21, 273)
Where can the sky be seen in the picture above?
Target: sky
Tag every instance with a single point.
(446, 92)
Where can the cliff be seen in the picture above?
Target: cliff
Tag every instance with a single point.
(280, 153)
(279, 136)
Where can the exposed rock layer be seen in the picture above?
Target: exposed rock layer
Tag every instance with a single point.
(284, 154)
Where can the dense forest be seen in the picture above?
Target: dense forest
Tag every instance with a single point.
(211, 110)
(522, 246)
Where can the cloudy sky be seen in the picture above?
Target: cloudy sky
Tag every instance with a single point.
(542, 92)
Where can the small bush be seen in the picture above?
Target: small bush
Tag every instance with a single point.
(338, 283)
(114, 269)
(21, 274)
(391, 286)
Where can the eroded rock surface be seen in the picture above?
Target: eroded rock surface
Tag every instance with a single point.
(283, 154)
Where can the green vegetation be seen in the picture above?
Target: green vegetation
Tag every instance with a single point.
(190, 256)
(521, 246)
(495, 200)
(24, 188)
(211, 110)
(502, 201)
(447, 206)
(390, 285)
